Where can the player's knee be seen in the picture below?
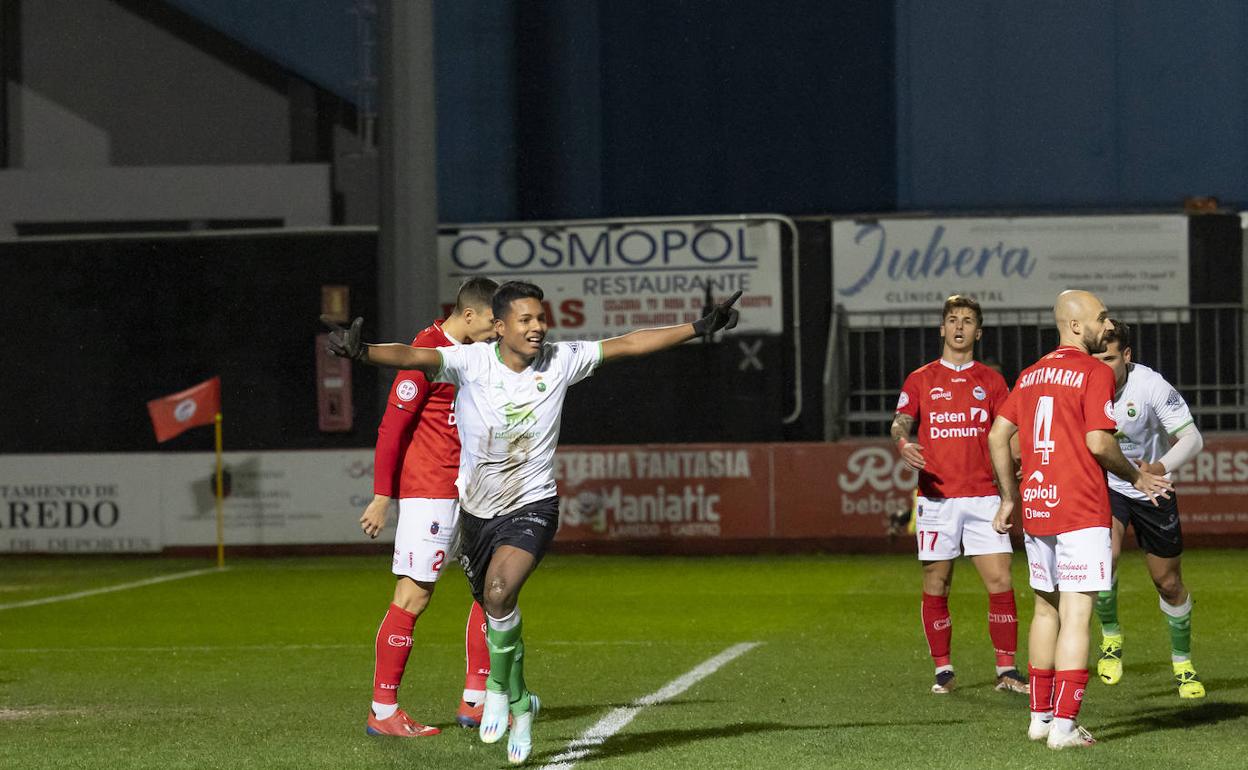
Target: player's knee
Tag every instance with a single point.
(412, 596)
(1171, 589)
(499, 597)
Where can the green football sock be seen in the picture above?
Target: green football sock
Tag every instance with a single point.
(503, 645)
(517, 691)
(1107, 610)
(1180, 620)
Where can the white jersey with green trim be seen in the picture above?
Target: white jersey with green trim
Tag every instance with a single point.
(1148, 411)
(509, 421)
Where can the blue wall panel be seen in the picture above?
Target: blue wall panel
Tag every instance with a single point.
(1069, 104)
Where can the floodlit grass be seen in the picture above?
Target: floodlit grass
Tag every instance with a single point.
(269, 664)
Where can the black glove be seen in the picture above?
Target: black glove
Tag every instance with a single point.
(346, 343)
(722, 316)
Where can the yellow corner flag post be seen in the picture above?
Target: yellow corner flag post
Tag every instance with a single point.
(220, 500)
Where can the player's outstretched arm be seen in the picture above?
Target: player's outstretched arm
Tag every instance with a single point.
(1104, 447)
(348, 343)
(999, 440)
(645, 341)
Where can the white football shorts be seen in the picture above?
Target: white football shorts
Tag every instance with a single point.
(1078, 560)
(953, 526)
(422, 541)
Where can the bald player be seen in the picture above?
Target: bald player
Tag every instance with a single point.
(1062, 409)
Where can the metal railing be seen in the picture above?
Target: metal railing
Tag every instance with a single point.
(1198, 349)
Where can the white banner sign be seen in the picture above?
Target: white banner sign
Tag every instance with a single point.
(893, 265)
(79, 503)
(278, 498)
(143, 502)
(606, 279)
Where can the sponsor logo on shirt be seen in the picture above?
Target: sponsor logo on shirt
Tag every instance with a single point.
(979, 392)
(1040, 492)
(903, 399)
(938, 393)
(406, 390)
(1174, 399)
(959, 419)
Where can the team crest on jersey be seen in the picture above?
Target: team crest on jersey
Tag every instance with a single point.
(903, 399)
(434, 527)
(406, 390)
(979, 392)
(541, 387)
(1131, 412)
(1109, 409)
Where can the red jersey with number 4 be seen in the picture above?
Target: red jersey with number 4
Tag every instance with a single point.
(954, 406)
(417, 452)
(1055, 403)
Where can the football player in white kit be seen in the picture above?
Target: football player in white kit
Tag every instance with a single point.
(1156, 431)
(508, 404)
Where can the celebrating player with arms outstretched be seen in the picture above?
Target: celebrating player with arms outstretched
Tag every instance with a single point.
(1062, 410)
(509, 401)
(1149, 412)
(417, 457)
(954, 399)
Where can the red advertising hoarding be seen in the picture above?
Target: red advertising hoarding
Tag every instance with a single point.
(834, 493)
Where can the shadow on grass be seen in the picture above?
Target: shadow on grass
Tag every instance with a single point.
(1174, 718)
(637, 743)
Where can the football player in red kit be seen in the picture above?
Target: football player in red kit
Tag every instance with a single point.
(954, 401)
(417, 460)
(1062, 410)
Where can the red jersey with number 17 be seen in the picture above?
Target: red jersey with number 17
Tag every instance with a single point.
(1055, 403)
(954, 405)
(417, 453)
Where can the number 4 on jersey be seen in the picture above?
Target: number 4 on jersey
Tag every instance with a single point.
(1042, 429)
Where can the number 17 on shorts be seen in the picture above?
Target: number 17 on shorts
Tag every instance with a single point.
(945, 529)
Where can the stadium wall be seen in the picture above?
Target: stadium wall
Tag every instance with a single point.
(653, 498)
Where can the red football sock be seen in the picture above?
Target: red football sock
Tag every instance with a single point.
(476, 651)
(1041, 689)
(394, 644)
(1003, 626)
(938, 627)
(1070, 684)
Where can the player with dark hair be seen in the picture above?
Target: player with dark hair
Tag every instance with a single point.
(954, 400)
(417, 459)
(509, 401)
(1062, 410)
(1150, 415)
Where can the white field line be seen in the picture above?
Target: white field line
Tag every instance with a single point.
(107, 589)
(619, 718)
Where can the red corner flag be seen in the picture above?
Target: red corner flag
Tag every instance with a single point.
(198, 405)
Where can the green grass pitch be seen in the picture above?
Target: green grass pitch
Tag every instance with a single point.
(269, 664)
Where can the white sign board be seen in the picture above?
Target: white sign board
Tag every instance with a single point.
(144, 502)
(605, 279)
(79, 503)
(890, 265)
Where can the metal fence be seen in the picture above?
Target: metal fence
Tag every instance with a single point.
(1198, 349)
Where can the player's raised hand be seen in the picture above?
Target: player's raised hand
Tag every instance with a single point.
(1153, 485)
(912, 453)
(722, 316)
(346, 343)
